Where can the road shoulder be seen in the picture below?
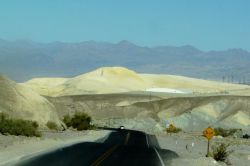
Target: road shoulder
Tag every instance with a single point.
(13, 148)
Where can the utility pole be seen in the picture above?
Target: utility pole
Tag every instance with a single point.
(239, 81)
(101, 72)
(223, 78)
(244, 80)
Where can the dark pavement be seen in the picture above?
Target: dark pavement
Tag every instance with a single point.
(122, 147)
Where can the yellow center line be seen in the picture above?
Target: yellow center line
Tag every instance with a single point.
(104, 156)
(127, 138)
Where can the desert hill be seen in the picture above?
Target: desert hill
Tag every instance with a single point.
(193, 113)
(138, 111)
(116, 96)
(118, 79)
(21, 102)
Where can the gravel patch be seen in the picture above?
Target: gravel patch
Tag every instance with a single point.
(192, 149)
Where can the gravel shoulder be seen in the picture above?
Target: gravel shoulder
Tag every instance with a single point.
(192, 149)
(15, 148)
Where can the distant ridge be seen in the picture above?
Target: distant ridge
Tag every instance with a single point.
(22, 60)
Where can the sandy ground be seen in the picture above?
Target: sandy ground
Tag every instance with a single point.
(14, 148)
(192, 149)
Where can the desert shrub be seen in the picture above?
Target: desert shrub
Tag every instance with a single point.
(80, 121)
(35, 124)
(220, 152)
(224, 132)
(173, 129)
(18, 127)
(2, 116)
(52, 125)
(67, 120)
(246, 136)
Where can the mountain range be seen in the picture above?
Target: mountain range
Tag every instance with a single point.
(22, 60)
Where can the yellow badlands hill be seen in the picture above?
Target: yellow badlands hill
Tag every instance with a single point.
(215, 105)
(21, 102)
(118, 79)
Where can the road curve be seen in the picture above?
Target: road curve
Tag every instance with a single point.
(122, 147)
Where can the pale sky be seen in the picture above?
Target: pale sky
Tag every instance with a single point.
(205, 24)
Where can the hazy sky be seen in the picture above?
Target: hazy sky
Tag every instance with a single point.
(206, 24)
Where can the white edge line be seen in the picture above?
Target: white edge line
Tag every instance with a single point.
(147, 140)
(162, 163)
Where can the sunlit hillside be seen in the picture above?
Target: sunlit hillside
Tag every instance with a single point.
(118, 79)
(21, 102)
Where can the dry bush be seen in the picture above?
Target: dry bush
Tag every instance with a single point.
(52, 125)
(18, 126)
(220, 152)
(80, 121)
(225, 132)
(173, 129)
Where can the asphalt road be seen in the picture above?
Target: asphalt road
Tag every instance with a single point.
(122, 147)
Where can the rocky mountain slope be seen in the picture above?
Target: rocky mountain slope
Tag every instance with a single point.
(23, 60)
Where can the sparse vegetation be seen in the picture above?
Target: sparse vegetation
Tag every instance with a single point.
(173, 129)
(246, 136)
(80, 121)
(52, 125)
(18, 126)
(224, 132)
(67, 120)
(220, 152)
(2, 117)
